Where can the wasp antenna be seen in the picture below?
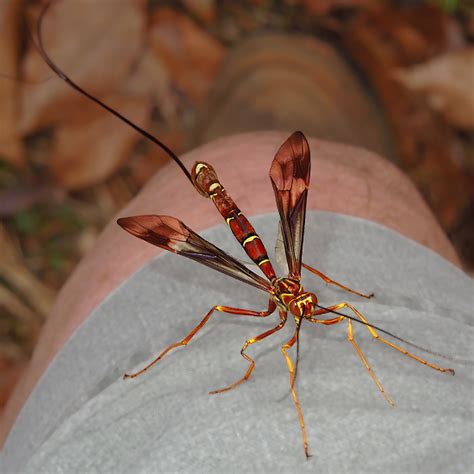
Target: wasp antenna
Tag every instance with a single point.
(39, 46)
(377, 328)
(297, 350)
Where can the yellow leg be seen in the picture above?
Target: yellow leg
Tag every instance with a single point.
(376, 336)
(248, 358)
(187, 339)
(291, 369)
(332, 282)
(367, 366)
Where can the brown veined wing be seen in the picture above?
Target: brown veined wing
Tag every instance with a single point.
(290, 174)
(173, 235)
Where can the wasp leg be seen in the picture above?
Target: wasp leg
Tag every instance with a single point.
(377, 337)
(332, 282)
(291, 369)
(248, 358)
(187, 339)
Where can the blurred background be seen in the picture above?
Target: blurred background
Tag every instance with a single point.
(67, 166)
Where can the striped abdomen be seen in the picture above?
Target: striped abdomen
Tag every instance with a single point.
(206, 182)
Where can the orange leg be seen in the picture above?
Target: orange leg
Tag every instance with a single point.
(332, 282)
(291, 369)
(377, 337)
(245, 356)
(187, 339)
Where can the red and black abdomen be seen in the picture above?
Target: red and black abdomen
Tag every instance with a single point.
(206, 182)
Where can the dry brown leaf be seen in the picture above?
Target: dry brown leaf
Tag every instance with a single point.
(191, 55)
(386, 39)
(447, 82)
(144, 166)
(323, 7)
(150, 77)
(11, 147)
(95, 43)
(90, 148)
(204, 10)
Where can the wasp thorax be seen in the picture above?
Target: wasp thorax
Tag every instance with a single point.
(287, 287)
(290, 295)
(205, 178)
(303, 305)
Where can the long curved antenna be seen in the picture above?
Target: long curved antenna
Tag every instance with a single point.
(416, 346)
(42, 52)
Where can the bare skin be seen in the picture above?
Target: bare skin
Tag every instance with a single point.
(345, 179)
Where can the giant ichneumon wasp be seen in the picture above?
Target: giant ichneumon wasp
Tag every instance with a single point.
(290, 177)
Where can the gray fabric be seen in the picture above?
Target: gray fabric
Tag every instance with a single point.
(83, 417)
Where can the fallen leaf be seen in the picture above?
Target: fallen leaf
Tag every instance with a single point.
(323, 7)
(144, 166)
(11, 147)
(95, 43)
(384, 40)
(204, 10)
(447, 82)
(191, 55)
(89, 149)
(151, 78)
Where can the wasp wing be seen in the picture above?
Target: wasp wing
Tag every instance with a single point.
(289, 174)
(171, 234)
